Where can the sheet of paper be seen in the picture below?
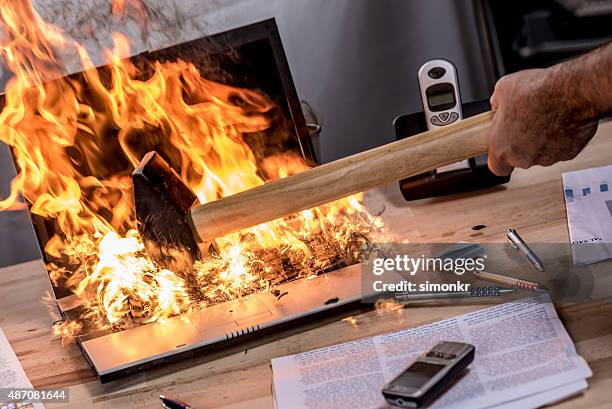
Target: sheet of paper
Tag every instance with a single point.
(588, 198)
(12, 374)
(534, 401)
(549, 397)
(522, 350)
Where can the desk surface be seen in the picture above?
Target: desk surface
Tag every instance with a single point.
(241, 378)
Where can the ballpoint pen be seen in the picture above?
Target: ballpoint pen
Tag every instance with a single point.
(449, 295)
(511, 282)
(519, 245)
(168, 403)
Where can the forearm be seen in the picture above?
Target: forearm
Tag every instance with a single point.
(585, 84)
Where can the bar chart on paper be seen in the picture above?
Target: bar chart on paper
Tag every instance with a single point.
(582, 192)
(576, 192)
(588, 197)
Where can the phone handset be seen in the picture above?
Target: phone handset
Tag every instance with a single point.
(439, 87)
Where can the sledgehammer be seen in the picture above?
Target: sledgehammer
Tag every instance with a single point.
(172, 223)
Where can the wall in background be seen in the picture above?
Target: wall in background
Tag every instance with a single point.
(17, 240)
(354, 61)
(359, 68)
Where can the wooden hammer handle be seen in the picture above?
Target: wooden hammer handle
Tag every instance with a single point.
(398, 160)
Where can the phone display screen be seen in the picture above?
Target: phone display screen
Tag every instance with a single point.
(437, 100)
(441, 97)
(417, 375)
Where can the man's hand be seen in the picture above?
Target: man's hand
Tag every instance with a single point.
(539, 120)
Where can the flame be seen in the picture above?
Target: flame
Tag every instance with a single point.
(67, 331)
(352, 321)
(77, 139)
(383, 306)
(134, 9)
(117, 6)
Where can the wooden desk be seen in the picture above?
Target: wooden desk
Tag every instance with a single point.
(533, 203)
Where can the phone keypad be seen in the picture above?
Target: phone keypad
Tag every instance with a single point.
(444, 118)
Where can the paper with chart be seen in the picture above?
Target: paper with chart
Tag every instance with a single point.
(524, 358)
(588, 197)
(12, 375)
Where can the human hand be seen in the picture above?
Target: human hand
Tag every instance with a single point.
(538, 120)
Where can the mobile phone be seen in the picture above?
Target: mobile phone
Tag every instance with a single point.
(430, 375)
(439, 85)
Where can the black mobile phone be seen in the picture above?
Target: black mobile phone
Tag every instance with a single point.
(429, 375)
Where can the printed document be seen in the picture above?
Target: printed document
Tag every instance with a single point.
(12, 374)
(524, 358)
(588, 198)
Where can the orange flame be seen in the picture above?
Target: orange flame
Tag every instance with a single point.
(76, 140)
(132, 9)
(66, 330)
(117, 6)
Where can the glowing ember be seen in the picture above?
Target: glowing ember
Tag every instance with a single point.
(76, 141)
(352, 321)
(389, 305)
(67, 331)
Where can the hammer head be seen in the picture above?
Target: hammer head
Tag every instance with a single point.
(163, 202)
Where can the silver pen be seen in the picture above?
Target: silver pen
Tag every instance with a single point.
(499, 291)
(511, 282)
(519, 245)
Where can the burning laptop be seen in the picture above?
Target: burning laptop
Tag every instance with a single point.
(224, 113)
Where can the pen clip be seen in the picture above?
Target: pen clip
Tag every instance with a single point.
(512, 243)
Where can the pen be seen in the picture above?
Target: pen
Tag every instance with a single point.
(173, 404)
(511, 282)
(445, 295)
(519, 245)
